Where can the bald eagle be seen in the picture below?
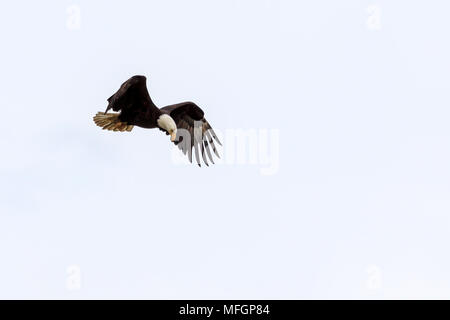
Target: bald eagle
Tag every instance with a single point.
(184, 122)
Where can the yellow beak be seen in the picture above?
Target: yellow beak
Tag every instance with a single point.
(173, 136)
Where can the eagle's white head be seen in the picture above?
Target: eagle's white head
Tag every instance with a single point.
(166, 122)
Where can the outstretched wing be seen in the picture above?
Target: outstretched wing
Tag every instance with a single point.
(132, 99)
(193, 131)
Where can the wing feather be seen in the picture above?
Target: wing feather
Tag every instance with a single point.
(194, 132)
(211, 142)
(133, 101)
(208, 152)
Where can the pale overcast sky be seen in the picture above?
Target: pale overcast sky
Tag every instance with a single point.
(350, 103)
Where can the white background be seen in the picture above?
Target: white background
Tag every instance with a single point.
(358, 91)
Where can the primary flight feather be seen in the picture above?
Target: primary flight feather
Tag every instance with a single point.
(184, 122)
